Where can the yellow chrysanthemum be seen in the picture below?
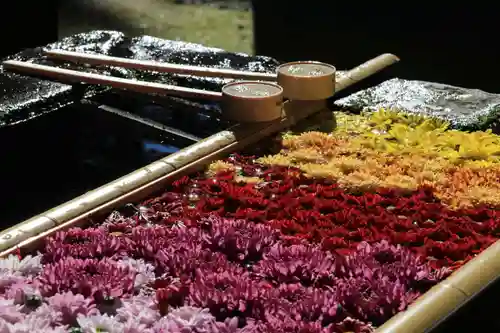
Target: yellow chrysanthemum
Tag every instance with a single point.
(219, 166)
(391, 149)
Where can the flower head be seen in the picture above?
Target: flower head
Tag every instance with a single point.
(25, 292)
(10, 312)
(68, 306)
(230, 293)
(139, 309)
(99, 323)
(238, 239)
(85, 243)
(28, 266)
(304, 264)
(145, 271)
(99, 279)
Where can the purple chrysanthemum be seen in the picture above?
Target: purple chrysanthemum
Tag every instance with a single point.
(99, 279)
(148, 241)
(375, 299)
(228, 294)
(349, 324)
(183, 259)
(284, 325)
(393, 262)
(238, 239)
(85, 244)
(304, 264)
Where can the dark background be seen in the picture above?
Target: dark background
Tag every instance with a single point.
(26, 24)
(455, 44)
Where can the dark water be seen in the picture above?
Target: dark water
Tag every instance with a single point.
(195, 118)
(54, 158)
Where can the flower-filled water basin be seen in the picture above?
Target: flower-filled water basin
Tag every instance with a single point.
(335, 232)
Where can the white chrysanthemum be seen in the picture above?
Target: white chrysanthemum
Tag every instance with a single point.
(145, 271)
(29, 265)
(99, 324)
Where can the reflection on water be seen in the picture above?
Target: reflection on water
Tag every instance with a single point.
(159, 148)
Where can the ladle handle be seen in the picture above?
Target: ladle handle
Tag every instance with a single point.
(70, 75)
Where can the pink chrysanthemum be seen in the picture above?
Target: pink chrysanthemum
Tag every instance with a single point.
(141, 309)
(85, 244)
(68, 306)
(238, 239)
(10, 312)
(31, 324)
(189, 319)
(24, 292)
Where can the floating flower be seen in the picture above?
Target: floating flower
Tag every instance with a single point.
(10, 312)
(227, 294)
(24, 292)
(31, 324)
(90, 277)
(303, 264)
(68, 306)
(139, 309)
(145, 272)
(29, 265)
(237, 239)
(186, 319)
(84, 243)
(99, 323)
